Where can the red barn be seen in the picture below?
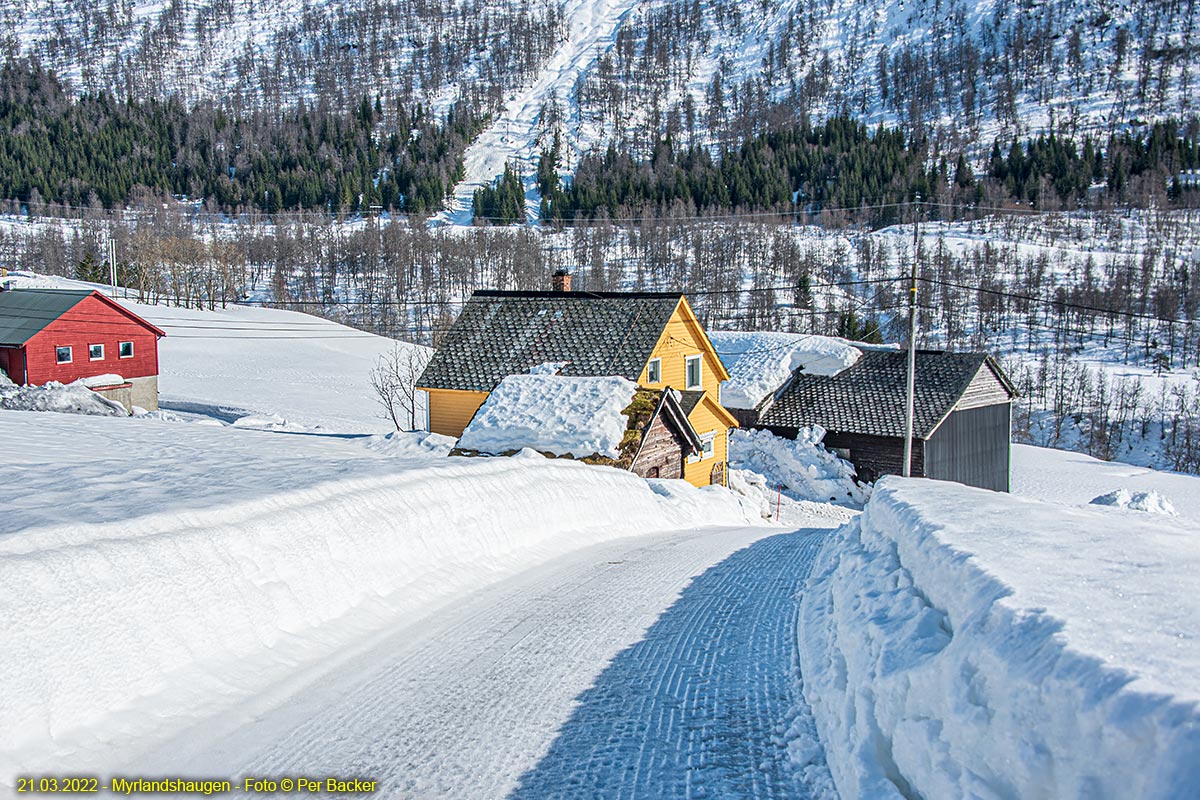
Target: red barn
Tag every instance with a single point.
(64, 335)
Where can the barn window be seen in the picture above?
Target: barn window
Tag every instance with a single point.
(126, 350)
(654, 371)
(62, 355)
(95, 352)
(693, 372)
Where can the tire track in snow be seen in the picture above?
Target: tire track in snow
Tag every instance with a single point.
(690, 685)
(591, 30)
(697, 708)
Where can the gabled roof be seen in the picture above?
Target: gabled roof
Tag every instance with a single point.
(868, 397)
(507, 333)
(24, 313)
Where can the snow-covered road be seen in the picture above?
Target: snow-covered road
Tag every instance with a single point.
(656, 666)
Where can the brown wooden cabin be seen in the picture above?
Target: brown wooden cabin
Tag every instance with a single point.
(962, 415)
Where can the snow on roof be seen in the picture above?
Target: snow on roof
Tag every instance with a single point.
(759, 362)
(552, 414)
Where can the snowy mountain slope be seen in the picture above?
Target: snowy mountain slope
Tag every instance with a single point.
(960, 72)
(964, 643)
(260, 366)
(521, 127)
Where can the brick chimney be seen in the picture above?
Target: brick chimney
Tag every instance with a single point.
(561, 282)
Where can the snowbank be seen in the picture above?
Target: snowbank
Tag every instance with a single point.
(963, 643)
(1151, 502)
(805, 469)
(127, 630)
(552, 414)
(759, 362)
(71, 398)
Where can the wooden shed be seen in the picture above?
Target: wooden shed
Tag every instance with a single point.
(962, 415)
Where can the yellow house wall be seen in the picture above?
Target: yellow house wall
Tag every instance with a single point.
(680, 339)
(705, 420)
(450, 410)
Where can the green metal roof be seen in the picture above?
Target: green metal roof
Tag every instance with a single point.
(25, 312)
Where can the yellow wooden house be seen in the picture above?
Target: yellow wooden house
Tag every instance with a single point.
(651, 338)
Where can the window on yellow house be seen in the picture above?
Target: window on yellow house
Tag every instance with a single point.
(693, 372)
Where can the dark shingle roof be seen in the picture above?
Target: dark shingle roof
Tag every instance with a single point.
(868, 397)
(689, 400)
(25, 312)
(506, 333)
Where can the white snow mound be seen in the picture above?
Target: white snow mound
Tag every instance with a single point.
(957, 642)
(1151, 502)
(759, 362)
(802, 467)
(129, 630)
(71, 398)
(552, 414)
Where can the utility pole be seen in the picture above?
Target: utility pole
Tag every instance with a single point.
(112, 265)
(912, 345)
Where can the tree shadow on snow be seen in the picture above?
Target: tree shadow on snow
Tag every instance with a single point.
(700, 706)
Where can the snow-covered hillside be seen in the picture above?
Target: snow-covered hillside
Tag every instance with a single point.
(259, 367)
(964, 71)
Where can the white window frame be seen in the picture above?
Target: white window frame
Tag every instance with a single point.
(654, 371)
(95, 358)
(121, 347)
(58, 354)
(707, 440)
(687, 372)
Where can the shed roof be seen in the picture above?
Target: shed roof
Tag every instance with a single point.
(868, 397)
(24, 313)
(506, 333)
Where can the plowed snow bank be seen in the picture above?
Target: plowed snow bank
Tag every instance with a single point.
(963, 643)
(116, 632)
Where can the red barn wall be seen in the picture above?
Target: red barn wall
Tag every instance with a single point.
(92, 321)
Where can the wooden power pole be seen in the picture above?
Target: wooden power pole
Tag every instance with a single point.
(910, 389)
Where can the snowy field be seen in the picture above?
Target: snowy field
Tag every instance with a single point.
(259, 367)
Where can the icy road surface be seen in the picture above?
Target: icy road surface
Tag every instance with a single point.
(661, 666)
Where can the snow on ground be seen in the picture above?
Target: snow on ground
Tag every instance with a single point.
(1151, 502)
(552, 414)
(1075, 479)
(73, 398)
(804, 469)
(760, 362)
(270, 365)
(155, 573)
(963, 643)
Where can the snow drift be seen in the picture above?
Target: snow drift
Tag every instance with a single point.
(116, 632)
(760, 362)
(801, 467)
(552, 414)
(963, 643)
(1151, 502)
(71, 398)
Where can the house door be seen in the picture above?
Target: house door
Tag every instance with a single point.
(717, 478)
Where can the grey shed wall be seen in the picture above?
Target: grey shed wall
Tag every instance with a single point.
(972, 446)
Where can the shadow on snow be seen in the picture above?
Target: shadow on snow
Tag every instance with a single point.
(700, 706)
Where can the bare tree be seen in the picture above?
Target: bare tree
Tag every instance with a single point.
(394, 380)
